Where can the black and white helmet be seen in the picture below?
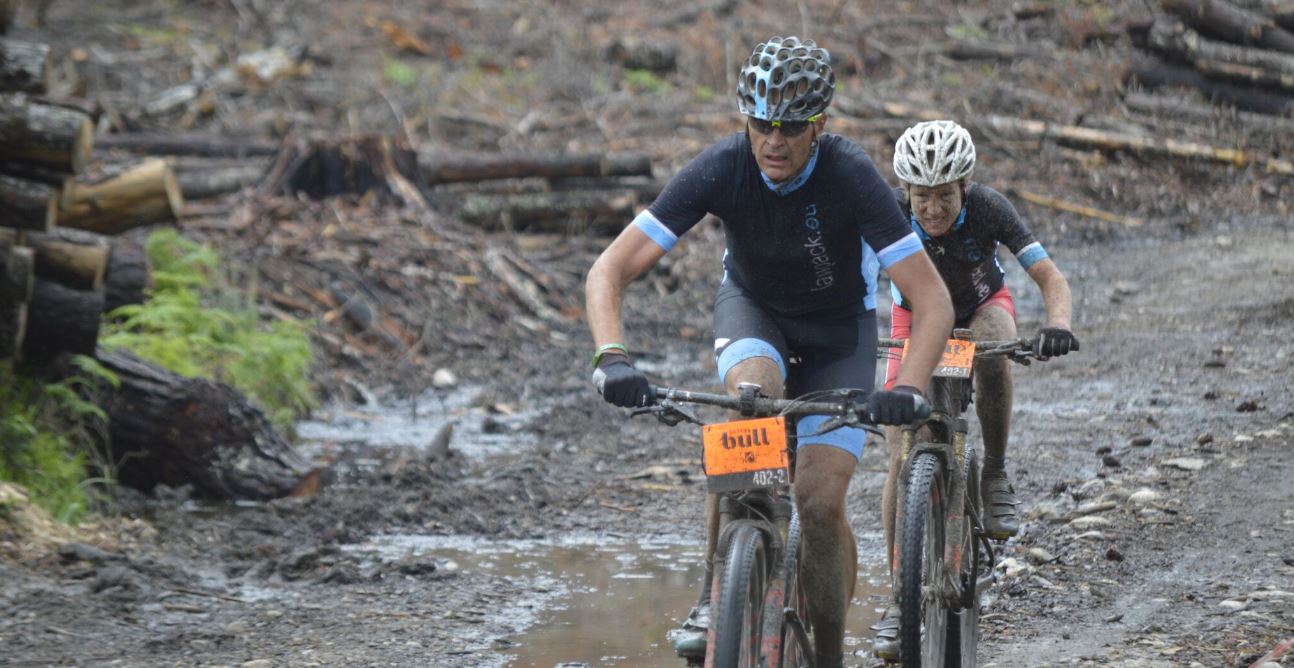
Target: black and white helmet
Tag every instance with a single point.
(934, 153)
(786, 79)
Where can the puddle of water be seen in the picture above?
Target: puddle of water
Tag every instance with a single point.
(478, 431)
(602, 603)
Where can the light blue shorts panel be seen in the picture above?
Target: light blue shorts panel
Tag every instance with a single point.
(849, 439)
(743, 349)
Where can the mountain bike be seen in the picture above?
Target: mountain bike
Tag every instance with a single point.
(761, 614)
(943, 559)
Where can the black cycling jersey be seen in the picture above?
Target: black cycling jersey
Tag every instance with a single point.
(809, 246)
(966, 255)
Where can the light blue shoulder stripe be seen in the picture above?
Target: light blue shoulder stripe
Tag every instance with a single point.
(899, 250)
(655, 230)
(871, 275)
(1031, 255)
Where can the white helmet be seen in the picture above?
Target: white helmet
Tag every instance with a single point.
(934, 153)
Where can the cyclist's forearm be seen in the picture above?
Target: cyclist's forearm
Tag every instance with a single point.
(602, 298)
(1056, 296)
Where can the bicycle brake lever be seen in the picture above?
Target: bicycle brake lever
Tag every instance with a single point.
(667, 412)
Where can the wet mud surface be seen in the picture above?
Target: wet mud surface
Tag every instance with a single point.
(1154, 465)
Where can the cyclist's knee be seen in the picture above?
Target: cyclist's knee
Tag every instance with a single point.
(993, 323)
(762, 371)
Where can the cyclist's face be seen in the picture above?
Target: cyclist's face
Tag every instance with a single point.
(936, 207)
(781, 156)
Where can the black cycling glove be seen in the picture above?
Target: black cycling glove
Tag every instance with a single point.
(620, 383)
(901, 405)
(1054, 342)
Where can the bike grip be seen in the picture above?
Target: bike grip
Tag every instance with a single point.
(920, 407)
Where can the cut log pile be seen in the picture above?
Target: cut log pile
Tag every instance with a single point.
(62, 267)
(1239, 54)
(55, 296)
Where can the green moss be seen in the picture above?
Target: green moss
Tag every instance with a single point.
(645, 81)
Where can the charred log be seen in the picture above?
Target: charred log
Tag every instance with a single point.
(62, 319)
(128, 274)
(74, 258)
(1224, 21)
(1153, 74)
(167, 429)
(24, 66)
(43, 134)
(1269, 69)
(28, 205)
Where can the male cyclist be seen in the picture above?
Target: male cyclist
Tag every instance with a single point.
(961, 225)
(801, 213)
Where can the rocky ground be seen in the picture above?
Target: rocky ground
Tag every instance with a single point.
(1155, 463)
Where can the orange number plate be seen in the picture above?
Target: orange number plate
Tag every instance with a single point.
(957, 359)
(745, 454)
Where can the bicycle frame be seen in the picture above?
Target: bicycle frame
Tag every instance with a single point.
(770, 509)
(947, 441)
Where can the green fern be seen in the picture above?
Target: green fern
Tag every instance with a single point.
(50, 432)
(197, 325)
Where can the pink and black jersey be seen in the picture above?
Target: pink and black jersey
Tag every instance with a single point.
(966, 256)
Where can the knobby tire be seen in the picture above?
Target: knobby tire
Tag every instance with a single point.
(922, 619)
(741, 600)
(963, 625)
(797, 650)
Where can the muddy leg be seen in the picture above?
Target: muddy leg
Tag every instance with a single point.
(993, 387)
(830, 565)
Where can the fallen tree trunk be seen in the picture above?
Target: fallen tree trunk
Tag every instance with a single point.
(74, 258)
(1270, 69)
(1281, 12)
(568, 211)
(1153, 74)
(1080, 209)
(1224, 21)
(24, 66)
(206, 145)
(1177, 108)
(61, 319)
(143, 195)
(167, 429)
(44, 134)
(127, 276)
(441, 168)
(1082, 137)
(213, 181)
(28, 205)
(1150, 146)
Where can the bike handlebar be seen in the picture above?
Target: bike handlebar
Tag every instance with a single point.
(848, 405)
(1020, 350)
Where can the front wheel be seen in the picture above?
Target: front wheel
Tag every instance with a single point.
(741, 600)
(963, 625)
(922, 616)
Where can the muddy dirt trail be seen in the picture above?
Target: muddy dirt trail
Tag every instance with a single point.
(511, 518)
(1155, 465)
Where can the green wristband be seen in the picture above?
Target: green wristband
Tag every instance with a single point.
(597, 355)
